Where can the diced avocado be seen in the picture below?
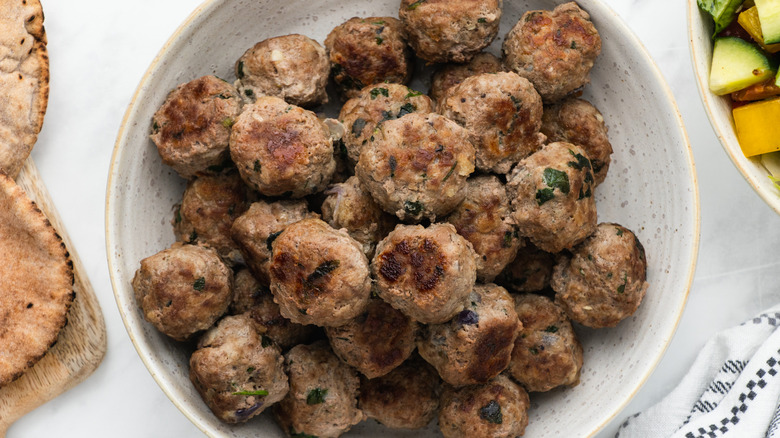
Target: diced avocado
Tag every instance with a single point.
(722, 11)
(737, 64)
(769, 16)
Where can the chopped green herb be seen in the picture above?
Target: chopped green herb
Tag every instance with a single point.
(414, 5)
(379, 40)
(556, 179)
(269, 241)
(155, 127)
(302, 312)
(590, 257)
(257, 167)
(193, 236)
(449, 173)
(551, 329)
(573, 45)
(406, 108)
(199, 284)
(507, 239)
(294, 434)
(224, 96)
(534, 351)
(491, 412)
(414, 208)
(619, 231)
(258, 392)
(393, 165)
(265, 341)
(379, 23)
(249, 92)
(322, 270)
(622, 287)
(413, 93)
(582, 161)
(482, 20)
(250, 370)
(377, 91)
(357, 127)
(544, 195)
(316, 396)
(240, 69)
(228, 122)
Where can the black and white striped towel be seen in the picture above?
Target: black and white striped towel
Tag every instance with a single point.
(732, 389)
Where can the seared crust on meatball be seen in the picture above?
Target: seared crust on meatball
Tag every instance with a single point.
(373, 105)
(319, 275)
(450, 30)
(503, 114)
(351, 207)
(281, 149)
(183, 289)
(426, 273)
(191, 129)
(555, 50)
(477, 344)
(365, 51)
(552, 197)
(485, 219)
(498, 409)
(323, 393)
(577, 121)
(547, 353)
(291, 67)
(416, 166)
(405, 398)
(530, 271)
(450, 75)
(604, 280)
(233, 366)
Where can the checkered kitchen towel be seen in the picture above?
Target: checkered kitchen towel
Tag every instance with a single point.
(731, 391)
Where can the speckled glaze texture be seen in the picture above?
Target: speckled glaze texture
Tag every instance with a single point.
(651, 189)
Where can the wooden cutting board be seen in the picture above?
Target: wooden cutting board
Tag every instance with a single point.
(82, 343)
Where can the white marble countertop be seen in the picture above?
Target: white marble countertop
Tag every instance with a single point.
(100, 49)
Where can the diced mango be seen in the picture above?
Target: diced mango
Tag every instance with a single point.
(758, 127)
(748, 19)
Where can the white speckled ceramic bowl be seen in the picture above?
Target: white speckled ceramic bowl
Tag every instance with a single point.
(700, 28)
(651, 188)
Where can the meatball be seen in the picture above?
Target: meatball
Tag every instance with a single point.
(191, 129)
(554, 50)
(498, 409)
(484, 218)
(375, 342)
(477, 344)
(503, 114)
(450, 75)
(351, 207)
(235, 372)
(578, 121)
(376, 104)
(450, 30)
(183, 289)
(604, 280)
(319, 275)
(291, 67)
(281, 149)
(547, 353)
(323, 393)
(365, 51)
(208, 208)
(405, 398)
(256, 229)
(530, 271)
(416, 167)
(552, 197)
(426, 273)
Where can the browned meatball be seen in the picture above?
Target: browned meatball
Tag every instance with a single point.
(604, 280)
(416, 167)
(426, 273)
(477, 344)
(498, 409)
(555, 50)
(450, 30)
(281, 149)
(323, 393)
(547, 353)
(450, 75)
(530, 271)
(503, 114)
(208, 208)
(578, 121)
(375, 342)
(256, 229)
(484, 218)
(406, 398)
(319, 275)
(191, 129)
(365, 51)
(183, 289)
(235, 372)
(292, 67)
(376, 104)
(552, 197)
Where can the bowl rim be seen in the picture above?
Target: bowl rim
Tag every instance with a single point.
(120, 142)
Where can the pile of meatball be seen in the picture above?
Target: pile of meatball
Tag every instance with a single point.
(418, 257)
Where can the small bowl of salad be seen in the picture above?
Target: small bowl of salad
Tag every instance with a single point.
(735, 46)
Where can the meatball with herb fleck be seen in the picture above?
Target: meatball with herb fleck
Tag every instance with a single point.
(319, 275)
(604, 280)
(530, 271)
(191, 129)
(291, 67)
(365, 51)
(236, 373)
(450, 75)
(426, 273)
(476, 345)
(183, 289)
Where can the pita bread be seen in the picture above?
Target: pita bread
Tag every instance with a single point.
(24, 80)
(36, 282)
